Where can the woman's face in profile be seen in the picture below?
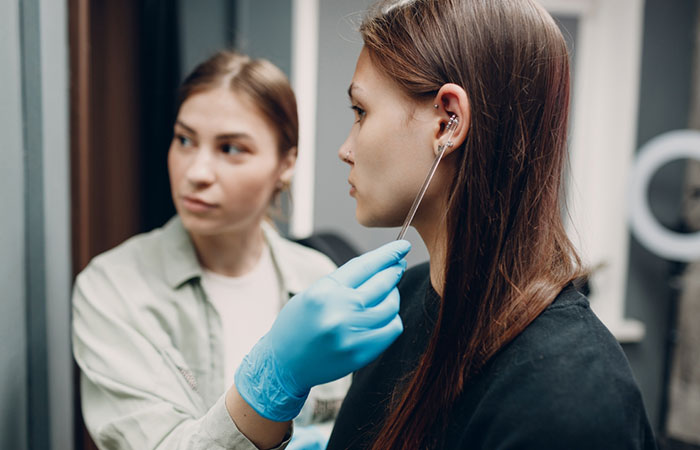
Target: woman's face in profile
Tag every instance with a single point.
(389, 148)
(223, 163)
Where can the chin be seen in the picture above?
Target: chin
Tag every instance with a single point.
(199, 225)
(194, 226)
(373, 220)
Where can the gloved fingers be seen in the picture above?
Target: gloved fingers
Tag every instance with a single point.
(360, 269)
(376, 288)
(371, 343)
(379, 315)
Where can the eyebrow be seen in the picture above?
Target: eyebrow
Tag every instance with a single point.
(188, 129)
(219, 137)
(222, 137)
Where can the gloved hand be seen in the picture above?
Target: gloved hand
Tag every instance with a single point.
(336, 326)
(308, 438)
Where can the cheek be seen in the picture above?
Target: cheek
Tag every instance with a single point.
(385, 193)
(392, 174)
(373, 148)
(253, 184)
(397, 164)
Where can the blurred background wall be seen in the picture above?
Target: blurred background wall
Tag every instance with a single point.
(36, 378)
(86, 108)
(664, 105)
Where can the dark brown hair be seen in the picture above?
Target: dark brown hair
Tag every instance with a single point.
(263, 83)
(508, 253)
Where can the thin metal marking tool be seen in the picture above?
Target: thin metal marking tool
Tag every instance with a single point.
(451, 126)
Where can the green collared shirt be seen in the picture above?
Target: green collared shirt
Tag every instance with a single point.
(149, 343)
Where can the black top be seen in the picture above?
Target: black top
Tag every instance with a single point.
(563, 383)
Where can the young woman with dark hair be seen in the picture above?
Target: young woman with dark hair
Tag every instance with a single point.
(499, 350)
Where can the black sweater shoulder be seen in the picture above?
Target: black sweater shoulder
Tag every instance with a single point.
(563, 383)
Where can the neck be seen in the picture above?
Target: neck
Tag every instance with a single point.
(232, 254)
(436, 243)
(433, 232)
(431, 223)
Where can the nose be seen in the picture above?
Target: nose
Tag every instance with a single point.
(201, 171)
(345, 153)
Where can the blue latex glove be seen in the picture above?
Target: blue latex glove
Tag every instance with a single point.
(308, 438)
(338, 325)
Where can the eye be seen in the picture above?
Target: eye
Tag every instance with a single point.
(359, 113)
(184, 141)
(232, 149)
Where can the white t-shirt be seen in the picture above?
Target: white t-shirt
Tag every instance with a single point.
(247, 305)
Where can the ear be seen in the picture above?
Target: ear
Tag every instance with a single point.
(451, 100)
(287, 164)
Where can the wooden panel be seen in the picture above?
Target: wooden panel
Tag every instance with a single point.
(79, 36)
(105, 175)
(104, 125)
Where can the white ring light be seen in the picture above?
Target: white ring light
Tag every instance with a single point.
(652, 156)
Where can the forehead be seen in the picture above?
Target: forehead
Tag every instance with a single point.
(369, 82)
(222, 110)
(217, 102)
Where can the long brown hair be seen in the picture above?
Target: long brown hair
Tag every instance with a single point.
(508, 253)
(263, 82)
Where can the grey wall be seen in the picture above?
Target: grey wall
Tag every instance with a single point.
(665, 94)
(36, 381)
(259, 28)
(334, 209)
(56, 253)
(13, 358)
(263, 30)
(205, 27)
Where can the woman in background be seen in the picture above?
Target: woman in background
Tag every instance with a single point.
(499, 350)
(162, 322)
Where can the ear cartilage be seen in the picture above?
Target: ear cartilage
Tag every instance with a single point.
(451, 126)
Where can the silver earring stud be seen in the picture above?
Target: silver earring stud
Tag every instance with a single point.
(436, 106)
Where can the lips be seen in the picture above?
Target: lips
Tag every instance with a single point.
(196, 204)
(353, 190)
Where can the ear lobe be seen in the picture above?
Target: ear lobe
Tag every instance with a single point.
(287, 164)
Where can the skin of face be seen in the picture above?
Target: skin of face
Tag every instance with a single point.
(389, 148)
(224, 163)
